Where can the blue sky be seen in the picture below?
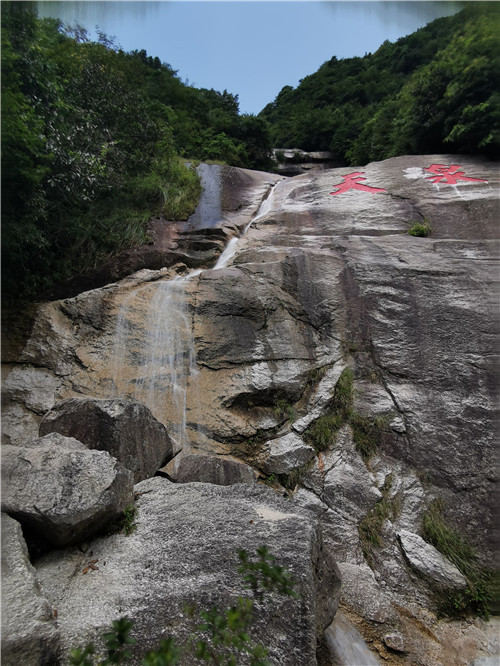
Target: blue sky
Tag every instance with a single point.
(250, 48)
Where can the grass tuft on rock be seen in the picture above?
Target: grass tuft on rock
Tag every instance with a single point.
(477, 597)
(321, 434)
(367, 431)
(370, 528)
(420, 229)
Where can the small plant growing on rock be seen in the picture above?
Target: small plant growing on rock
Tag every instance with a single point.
(168, 654)
(263, 575)
(322, 432)
(316, 375)
(220, 636)
(129, 516)
(421, 229)
(116, 642)
(475, 599)
(293, 478)
(367, 433)
(281, 409)
(125, 522)
(370, 528)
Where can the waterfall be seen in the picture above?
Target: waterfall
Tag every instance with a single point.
(171, 359)
(230, 250)
(160, 351)
(227, 255)
(264, 208)
(346, 645)
(154, 358)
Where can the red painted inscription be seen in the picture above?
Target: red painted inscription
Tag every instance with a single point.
(449, 174)
(351, 182)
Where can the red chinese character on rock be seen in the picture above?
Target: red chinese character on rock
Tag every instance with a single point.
(449, 174)
(351, 182)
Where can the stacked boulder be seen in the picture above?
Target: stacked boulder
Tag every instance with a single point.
(62, 488)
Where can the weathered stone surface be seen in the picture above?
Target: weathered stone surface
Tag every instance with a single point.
(18, 424)
(362, 593)
(211, 469)
(428, 561)
(395, 642)
(35, 387)
(318, 283)
(282, 455)
(126, 430)
(60, 491)
(340, 478)
(185, 549)
(29, 633)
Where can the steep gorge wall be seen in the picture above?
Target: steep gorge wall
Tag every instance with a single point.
(326, 278)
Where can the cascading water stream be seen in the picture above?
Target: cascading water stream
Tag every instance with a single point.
(161, 351)
(159, 347)
(346, 645)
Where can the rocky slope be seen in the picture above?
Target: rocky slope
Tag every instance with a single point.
(349, 365)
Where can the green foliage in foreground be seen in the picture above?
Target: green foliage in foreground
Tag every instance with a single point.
(93, 146)
(477, 597)
(218, 638)
(434, 91)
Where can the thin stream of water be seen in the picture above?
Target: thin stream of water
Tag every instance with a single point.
(161, 349)
(346, 645)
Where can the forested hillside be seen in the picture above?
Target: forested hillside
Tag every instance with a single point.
(437, 90)
(95, 139)
(93, 144)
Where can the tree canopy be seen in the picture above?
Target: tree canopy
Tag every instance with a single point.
(95, 140)
(436, 90)
(94, 143)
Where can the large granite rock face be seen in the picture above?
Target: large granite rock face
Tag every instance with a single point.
(60, 491)
(184, 550)
(126, 430)
(243, 359)
(29, 632)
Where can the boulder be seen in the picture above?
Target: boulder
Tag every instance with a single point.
(429, 562)
(29, 633)
(284, 454)
(35, 387)
(125, 429)
(395, 642)
(60, 491)
(18, 424)
(184, 550)
(211, 469)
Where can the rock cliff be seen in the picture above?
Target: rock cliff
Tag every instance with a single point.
(329, 353)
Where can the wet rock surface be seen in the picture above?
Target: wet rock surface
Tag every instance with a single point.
(252, 352)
